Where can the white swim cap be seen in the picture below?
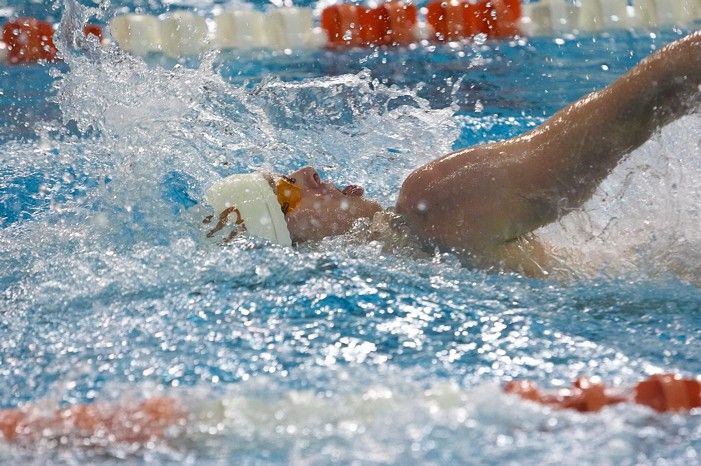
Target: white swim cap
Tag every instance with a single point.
(256, 202)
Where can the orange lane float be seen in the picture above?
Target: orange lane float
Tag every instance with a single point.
(668, 392)
(391, 23)
(373, 25)
(95, 30)
(663, 393)
(28, 40)
(341, 25)
(403, 19)
(447, 18)
(459, 19)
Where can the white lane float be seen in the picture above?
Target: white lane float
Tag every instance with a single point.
(644, 13)
(561, 16)
(138, 34)
(564, 15)
(293, 28)
(241, 29)
(537, 19)
(614, 14)
(3, 52)
(677, 11)
(394, 22)
(183, 34)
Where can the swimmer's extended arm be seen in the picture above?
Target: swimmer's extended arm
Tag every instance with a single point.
(479, 198)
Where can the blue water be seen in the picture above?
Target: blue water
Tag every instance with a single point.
(336, 352)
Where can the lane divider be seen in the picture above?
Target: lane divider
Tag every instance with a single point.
(546, 17)
(183, 34)
(240, 29)
(139, 34)
(458, 19)
(28, 40)
(393, 22)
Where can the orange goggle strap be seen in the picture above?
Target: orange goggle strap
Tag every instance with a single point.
(289, 195)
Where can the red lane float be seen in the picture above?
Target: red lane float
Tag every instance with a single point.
(341, 25)
(28, 40)
(391, 23)
(448, 20)
(459, 19)
(374, 24)
(93, 29)
(507, 14)
(662, 392)
(403, 20)
(668, 392)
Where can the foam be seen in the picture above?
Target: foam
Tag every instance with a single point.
(641, 218)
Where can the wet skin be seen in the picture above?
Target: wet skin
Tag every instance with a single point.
(481, 199)
(324, 209)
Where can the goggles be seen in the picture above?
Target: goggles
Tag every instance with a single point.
(289, 195)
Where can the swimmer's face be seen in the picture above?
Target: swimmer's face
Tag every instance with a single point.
(325, 210)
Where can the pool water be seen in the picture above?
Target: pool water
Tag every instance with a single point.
(336, 352)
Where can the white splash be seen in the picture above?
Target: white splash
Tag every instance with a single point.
(645, 216)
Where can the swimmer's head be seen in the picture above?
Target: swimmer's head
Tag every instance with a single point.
(321, 208)
(298, 207)
(249, 203)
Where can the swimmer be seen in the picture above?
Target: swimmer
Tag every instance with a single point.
(483, 202)
(166, 417)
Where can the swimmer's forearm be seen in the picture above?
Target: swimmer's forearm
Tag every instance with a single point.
(483, 196)
(608, 124)
(574, 151)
